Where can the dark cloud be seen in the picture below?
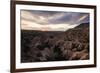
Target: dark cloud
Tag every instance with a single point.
(54, 17)
(42, 13)
(70, 18)
(51, 20)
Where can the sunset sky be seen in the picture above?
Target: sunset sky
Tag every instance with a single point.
(51, 20)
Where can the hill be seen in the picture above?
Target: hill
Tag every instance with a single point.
(40, 46)
(83, 25)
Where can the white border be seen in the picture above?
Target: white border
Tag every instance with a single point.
(20, 65)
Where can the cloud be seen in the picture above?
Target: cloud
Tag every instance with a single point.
(82, 18)
(69, 18)
(27, 25)
(50, 20)
(26, 15)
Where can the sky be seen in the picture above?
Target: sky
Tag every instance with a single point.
(51, 20)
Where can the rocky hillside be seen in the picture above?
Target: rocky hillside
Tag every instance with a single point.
(40, 46)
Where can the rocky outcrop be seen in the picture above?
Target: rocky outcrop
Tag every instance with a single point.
(40, 46)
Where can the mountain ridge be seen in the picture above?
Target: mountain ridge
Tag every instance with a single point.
(43, 46)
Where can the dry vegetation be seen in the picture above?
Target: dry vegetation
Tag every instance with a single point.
(40, 46)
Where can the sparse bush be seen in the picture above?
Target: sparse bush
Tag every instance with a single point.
(42, 46)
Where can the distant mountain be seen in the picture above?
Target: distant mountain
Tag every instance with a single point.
(83, 25)
(80, 33)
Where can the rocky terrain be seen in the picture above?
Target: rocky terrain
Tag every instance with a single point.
(42, 46)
